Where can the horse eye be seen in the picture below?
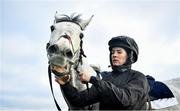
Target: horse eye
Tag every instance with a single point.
(52, 28)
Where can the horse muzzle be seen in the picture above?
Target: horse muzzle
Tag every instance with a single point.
(60, 65)
(53, 49)
(59, 71)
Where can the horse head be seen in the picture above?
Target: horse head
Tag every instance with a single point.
(63, 48)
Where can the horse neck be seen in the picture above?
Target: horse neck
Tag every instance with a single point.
(74, 74)
(76, 82)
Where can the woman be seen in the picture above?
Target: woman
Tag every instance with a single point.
(120, 89)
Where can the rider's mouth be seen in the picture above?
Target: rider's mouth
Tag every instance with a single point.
(59, 68)
(114, 60)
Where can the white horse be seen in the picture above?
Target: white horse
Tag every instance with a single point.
(64, 49)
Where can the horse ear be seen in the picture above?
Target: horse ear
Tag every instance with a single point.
(85, 22)
(75, 17)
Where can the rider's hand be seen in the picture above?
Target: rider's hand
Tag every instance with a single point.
(62, 80)
(84, 77)
(85, 72)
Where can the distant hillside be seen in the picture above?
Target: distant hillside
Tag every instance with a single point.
(175, 82)
(174, 85)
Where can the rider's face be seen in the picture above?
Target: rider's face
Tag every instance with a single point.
(118, 56)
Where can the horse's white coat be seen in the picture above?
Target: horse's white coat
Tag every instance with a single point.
(66, 26)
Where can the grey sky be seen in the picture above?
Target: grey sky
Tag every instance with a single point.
(25, 30)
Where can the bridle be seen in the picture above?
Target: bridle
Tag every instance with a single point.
(70, 62)
(79, 62)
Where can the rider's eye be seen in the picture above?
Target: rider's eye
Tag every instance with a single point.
(112, 52)
(52, 28)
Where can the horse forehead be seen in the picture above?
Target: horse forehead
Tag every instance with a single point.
(68, 26)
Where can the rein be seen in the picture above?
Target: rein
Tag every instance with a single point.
(50, 82)
(79, 62)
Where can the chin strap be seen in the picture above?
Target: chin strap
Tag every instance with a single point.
(50, 82)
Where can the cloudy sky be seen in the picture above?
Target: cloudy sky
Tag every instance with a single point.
(25, 30)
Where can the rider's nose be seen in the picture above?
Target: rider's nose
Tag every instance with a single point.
(114, 54)
(53, 48)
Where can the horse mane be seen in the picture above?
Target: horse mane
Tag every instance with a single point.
(75, 18)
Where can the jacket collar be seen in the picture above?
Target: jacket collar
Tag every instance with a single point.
(121, 68)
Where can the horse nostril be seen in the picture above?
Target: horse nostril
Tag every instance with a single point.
(69, 54)
(53, 48)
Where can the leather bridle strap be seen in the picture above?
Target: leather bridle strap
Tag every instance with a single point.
(81, 62)
(70, 41)
(50, 81)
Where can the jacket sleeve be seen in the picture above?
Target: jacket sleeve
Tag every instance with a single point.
(82, 98)
(125, 95)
